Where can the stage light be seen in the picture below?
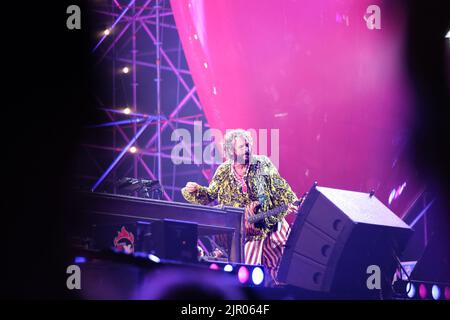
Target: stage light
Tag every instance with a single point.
(214, 91)
(79, 260)
(422, 291)
(125, 70)
(395, 193)
(257, 276)
(214, 266)
(391, 196)
(195, 36)
(127, 110)
(402, 187)
(435, 292)
(154, 258)
(448, 35)
(106, 32)
(243, 274)
(447, 293)
(410, 290)
(228, 268)
(205, 65)
(133, 149)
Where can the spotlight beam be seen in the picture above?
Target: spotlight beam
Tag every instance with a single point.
(146, 168)
(116, 40)
(117, 123)
(117, 4)
(120, 156)
(135, 114)
(421, 214)
(152, 65)
(114, 24)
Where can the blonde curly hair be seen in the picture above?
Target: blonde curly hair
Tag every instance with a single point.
(230, 136)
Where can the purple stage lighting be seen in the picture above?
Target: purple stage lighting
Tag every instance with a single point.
(447, 293)
(243, 275)
(257, 276)
(435, 292)
(422, 291)
(214, 266)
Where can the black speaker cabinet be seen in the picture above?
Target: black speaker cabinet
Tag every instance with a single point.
(337, 235)
(167, 239)
(173, 240)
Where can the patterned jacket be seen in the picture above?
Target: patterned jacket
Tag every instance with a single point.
(264, 184)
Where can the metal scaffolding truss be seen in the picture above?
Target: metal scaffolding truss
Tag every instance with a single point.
(134, 36)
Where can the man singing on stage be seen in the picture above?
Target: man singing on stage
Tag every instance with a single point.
(253, 182)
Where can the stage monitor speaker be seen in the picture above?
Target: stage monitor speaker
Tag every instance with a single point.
(337, 235)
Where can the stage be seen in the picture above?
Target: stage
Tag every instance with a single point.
(227, 150)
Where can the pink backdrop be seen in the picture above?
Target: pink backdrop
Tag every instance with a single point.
(335, 89)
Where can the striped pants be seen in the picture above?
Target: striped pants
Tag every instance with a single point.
(269, 250)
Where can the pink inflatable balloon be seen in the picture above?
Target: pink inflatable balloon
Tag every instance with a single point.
(327, 74)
